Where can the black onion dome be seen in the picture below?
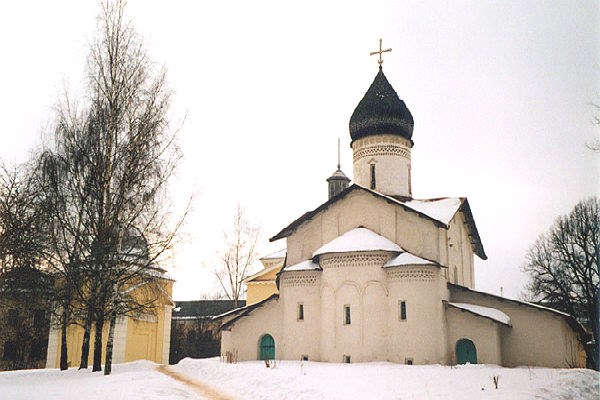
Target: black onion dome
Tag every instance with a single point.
(381, 111)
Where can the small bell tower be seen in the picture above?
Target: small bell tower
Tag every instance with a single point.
(338, 181)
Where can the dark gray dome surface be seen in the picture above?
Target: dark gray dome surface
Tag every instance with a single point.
(381, 111)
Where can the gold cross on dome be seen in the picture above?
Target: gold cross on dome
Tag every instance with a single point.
(380, 52)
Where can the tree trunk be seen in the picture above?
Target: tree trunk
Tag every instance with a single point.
(85, 346)
(98, 344)
(109, 344)
(64, 358)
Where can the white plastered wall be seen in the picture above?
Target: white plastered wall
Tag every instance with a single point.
(301, 287)
(418, 235)
(483, 332)
(537, 337)
(167, 334)
(390, 154)
(418, 337)
(460, 252)
(244, 336)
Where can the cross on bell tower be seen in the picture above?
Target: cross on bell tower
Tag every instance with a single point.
(380, 52)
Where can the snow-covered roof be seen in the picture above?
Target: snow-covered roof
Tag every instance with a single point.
(307, 265)
(358, 239)
(262, 272)
(275, 255)
(442, 210)
(491, 313)
(407, 258)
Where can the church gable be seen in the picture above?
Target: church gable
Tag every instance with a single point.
(362, 208)
(419, 226)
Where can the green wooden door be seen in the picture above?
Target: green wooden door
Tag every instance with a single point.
(267, 348)
(466, 352)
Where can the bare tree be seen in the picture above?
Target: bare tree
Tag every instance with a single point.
(22, 236)
(594, 145)
(563, 267)
(24, 286)
(237, 256)
(107, 176)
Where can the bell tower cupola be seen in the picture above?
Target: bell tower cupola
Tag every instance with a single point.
(381, 130)
(338, 181)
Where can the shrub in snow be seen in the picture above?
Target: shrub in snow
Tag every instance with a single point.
(495, 379)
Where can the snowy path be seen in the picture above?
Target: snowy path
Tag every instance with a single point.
(203, 389)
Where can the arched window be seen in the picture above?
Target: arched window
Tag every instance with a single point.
(267, 347)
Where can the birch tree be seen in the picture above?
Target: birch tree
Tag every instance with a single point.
(237, 256)
(108, 174)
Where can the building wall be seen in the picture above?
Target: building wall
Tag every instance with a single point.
(358, 281)
(144, 337)
(413, 233)
(243, 338)
(537, 337)
(459, 253)
(301, 336)
(391, 156)
(418, 337)
(484, 333)
(259, 290)
(375, 332)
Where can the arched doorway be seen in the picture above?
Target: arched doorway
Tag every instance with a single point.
(466, 352)
(267, 347)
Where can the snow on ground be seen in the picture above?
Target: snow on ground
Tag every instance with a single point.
(138, 380)
(308, 380)
(313, 380)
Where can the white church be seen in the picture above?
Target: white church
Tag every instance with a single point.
(374, 274)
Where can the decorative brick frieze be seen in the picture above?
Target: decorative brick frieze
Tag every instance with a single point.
(299, 279)
(354, 260)
(381, 150)
(410, 274)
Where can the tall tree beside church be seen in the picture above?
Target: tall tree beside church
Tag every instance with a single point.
(22, 248)
(563, 266)
(108, 174)
(22, 237)
(237, 256)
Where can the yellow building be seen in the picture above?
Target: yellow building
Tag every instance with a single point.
(263, 284)
(144, 337)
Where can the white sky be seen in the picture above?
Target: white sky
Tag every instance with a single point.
(500, 93)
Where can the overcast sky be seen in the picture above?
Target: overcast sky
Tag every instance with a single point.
(500, 93)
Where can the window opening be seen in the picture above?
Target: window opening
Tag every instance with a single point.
(347, 319)
(346, 359)
(373, 183)
(300, 312)
(402, 310)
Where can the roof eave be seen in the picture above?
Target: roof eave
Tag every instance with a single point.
(447, 304)
(474, 233)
